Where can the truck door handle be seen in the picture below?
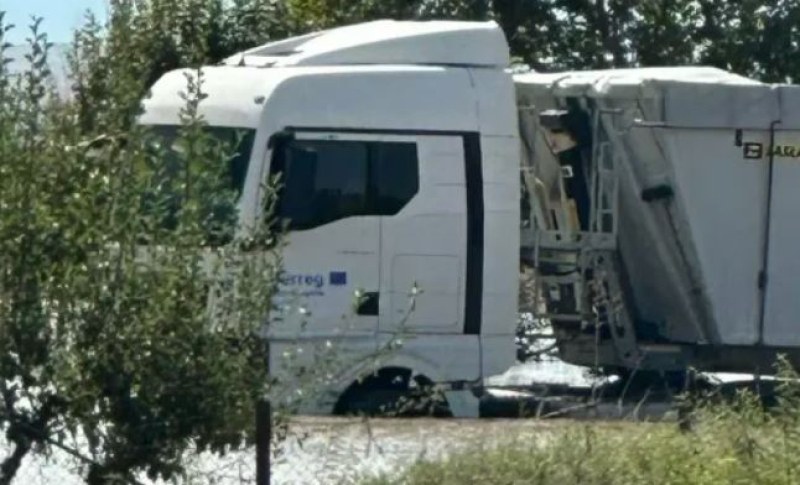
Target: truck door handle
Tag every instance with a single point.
(368, 304)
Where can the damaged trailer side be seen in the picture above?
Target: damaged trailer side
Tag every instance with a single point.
(663, 223)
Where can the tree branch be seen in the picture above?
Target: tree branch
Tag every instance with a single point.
(24, 434)
(12, 464)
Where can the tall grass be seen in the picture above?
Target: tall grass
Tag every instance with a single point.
(737, 441)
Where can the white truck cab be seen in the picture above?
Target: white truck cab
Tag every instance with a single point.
(398, 149)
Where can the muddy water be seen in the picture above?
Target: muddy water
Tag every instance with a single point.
(338, 450)
(331, 450)
(351, 449)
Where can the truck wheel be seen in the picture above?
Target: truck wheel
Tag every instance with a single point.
(393, 393)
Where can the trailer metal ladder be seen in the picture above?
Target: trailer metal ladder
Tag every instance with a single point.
(581, 263)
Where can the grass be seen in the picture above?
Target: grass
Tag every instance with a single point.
(734, 442)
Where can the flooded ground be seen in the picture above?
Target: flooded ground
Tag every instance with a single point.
(332, 450)
(326, 450)
(343, 451)
(336, 450)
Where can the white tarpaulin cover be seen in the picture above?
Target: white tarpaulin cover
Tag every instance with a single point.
(701, 97)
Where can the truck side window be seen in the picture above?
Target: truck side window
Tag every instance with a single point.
(394, 176)
(323, 182)
(328, 180)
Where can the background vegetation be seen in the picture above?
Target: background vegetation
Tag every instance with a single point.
(757, 38)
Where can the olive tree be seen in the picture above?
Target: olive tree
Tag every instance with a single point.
(131, 302)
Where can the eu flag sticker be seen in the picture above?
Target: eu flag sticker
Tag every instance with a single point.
(338, 278)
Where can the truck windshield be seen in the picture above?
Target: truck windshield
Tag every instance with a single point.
(218, 209)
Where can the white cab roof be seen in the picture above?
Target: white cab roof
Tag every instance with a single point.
(390, 97)
(442, 43)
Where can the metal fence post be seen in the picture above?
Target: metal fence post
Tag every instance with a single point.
(264, 434)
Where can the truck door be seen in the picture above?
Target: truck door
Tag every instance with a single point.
(424, 234)
(334, 238)
(781, 324)
(380, 213)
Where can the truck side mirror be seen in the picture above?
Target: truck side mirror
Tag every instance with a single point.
(280, 138)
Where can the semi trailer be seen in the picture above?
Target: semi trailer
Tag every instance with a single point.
(420, 178)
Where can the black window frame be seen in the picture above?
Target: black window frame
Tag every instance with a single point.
(281, 143)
